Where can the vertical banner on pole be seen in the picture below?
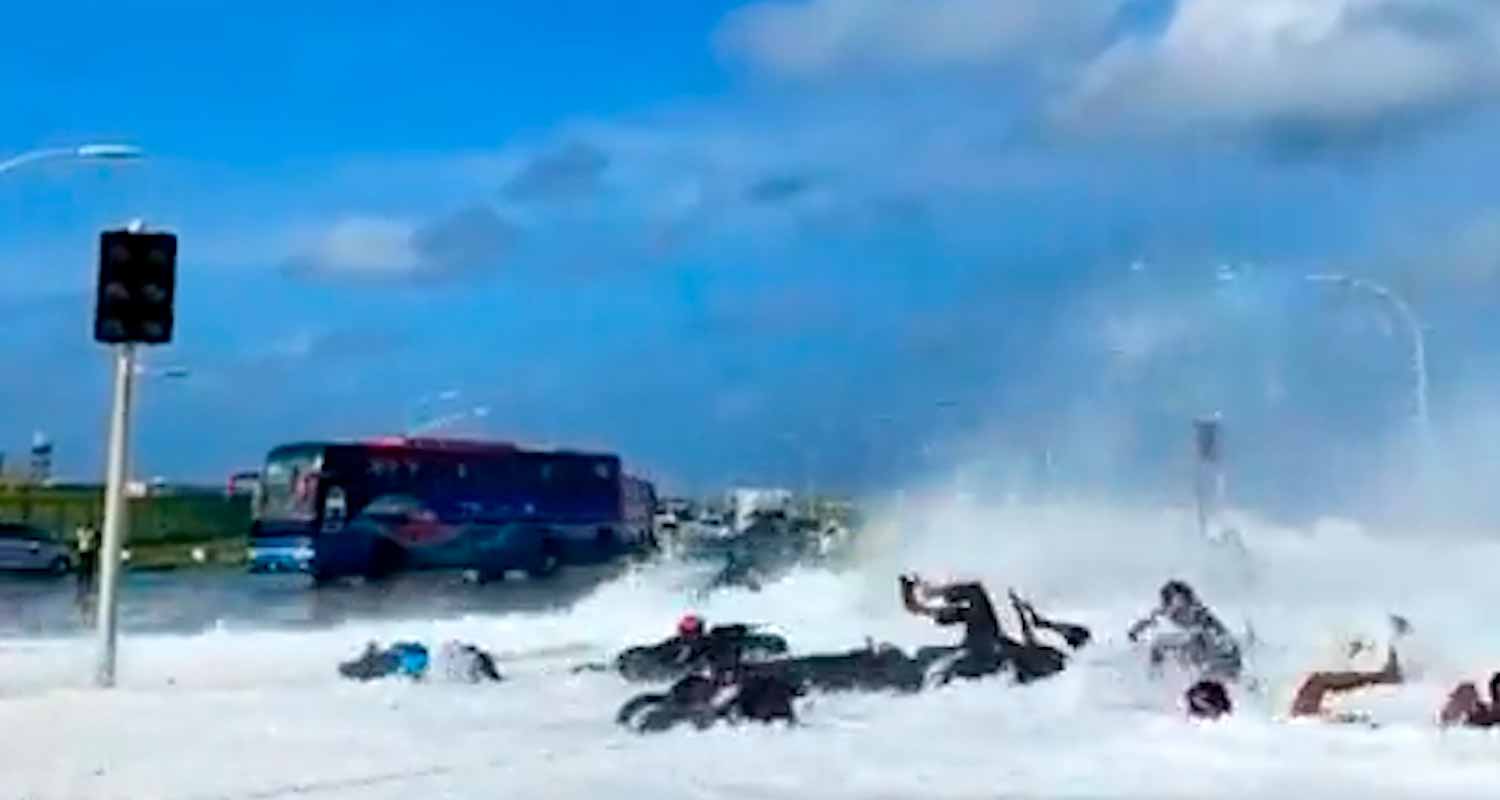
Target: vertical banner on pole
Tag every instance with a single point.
(1207, 434)
(1209, 483)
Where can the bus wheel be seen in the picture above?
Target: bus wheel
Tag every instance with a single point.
(606, 544)
(490, 575)
(384, 560)
(547, 563)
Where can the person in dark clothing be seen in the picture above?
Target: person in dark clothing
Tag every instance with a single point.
(1200, 641)
(966, 604)
(706, 698)
(694, 648)
(1076, 636)
(689, 700)
(1465, 708)
(765, 698)
(88, 568)
(985, 649)
(870, 668)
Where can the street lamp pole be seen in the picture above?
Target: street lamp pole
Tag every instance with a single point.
(119, 432)
(126, 331)
(1413, 327)
(114, 513)
(803, 451)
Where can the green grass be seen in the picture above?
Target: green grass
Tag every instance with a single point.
(184, 517)
(171, 555)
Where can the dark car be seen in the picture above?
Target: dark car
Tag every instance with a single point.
(24, 548)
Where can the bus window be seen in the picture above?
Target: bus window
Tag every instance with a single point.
(287, 470)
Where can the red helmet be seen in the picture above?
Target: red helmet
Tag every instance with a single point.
(690, 625)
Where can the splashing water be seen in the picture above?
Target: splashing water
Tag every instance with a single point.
(261, 714)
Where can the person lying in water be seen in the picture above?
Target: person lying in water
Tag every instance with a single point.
(985, 648)
(407, 659)
(1076, 636)
(460, 662)
(1320, 685)
(1465, 708)
(466, 663)
(693, 647)
(712, 696)
(1199, 640)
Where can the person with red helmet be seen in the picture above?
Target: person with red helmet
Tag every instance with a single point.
(694, 645)
(690, 627)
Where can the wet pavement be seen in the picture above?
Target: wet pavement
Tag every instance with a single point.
(193, 600)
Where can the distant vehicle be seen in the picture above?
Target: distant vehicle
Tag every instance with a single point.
(745, 504)
(24, 548)
(242, 484)
(640, 509)
(338, 509)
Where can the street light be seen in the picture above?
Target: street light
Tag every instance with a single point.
(86, 152)
(1413, 326)
(169, 373)
(799, 447)
(175, 372)
(424, 405)
(477, 412)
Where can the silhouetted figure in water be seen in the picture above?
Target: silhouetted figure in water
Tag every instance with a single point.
(707, 698)
(986, 649)
(1465, 708)
(88, 569)
(695, 647)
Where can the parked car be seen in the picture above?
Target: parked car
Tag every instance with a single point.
(25, 548)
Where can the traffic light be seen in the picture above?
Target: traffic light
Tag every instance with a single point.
(137, 286)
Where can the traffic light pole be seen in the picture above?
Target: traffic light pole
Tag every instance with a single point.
(116, 514)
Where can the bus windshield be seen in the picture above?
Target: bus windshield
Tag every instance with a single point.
(284, 482)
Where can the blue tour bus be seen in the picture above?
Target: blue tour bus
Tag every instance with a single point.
(339, 509)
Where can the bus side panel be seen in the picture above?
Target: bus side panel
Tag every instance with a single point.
(348, 552)
(494, 549)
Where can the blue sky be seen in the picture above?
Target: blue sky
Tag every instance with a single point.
(836, 240)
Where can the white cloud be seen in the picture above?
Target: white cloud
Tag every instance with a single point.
(473, 240)
(1474, 253)
(1335, 69)
(1138, 337)
(371, 247)
(818, 37)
